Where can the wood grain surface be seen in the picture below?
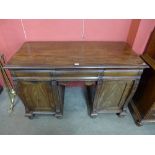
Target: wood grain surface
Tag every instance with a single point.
(40, 71)
(68, 54)
(37, 96)
(111, 94)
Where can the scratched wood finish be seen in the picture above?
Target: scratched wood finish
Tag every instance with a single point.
(66, 54)
(143, 105)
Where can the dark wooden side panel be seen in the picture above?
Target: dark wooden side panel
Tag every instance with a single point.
(37, 96)
(142, 106)
(151, 46)
(144, 98)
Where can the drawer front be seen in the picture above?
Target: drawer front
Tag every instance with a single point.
(30, 74)
(96, 74)
(122, 72)
(75, 74)
(79, 74)
(70, 74)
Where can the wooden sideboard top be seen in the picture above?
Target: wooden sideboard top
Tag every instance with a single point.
(57, 54)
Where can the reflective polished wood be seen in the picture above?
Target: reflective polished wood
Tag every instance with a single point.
(109, 70)
(66, 54)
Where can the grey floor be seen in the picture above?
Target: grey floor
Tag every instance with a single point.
(75, 121)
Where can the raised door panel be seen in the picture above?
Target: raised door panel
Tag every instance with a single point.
(112, 95)
(37, 96)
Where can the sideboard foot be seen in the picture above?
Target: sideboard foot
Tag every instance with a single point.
(59, 116)
(122, 114)
(93, 115)
(138, 123)
(30, 115)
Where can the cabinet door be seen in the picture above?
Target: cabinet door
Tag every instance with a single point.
(40, 96)
(111, 95)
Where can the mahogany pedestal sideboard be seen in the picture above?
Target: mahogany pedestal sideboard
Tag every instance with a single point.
(143, 105)
(109, 70)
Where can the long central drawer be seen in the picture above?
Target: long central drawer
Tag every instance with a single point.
(75, 74)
